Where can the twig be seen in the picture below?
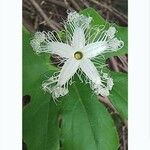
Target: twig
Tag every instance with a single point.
(67, 5)
(28, 25)
(124, 138)
(55, 14)
(125, 58)
(36, 22)
(123, 61)
(26, 2)
(27, 9)
(107, 15)
(27, 6)
(59, 3)
(108, 103)
(42, 3)
(118, 12)
(125, 69)
(75, 4)
(119, 15)
(85, 3)
(114, 64)
(51, 23)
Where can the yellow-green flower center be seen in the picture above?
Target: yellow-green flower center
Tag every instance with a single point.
(78, 55)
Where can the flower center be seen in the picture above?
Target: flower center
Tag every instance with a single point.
(78, 55)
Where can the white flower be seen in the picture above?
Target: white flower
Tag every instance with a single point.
(110, 83)
(82, 45)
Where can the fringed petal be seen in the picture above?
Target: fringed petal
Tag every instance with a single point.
(78, 20)
(111, 32)
(107, 42)
(48, 43)
(59, 92)
(110, 83)
(103, 91)
(114, 44)
(61, 49)
(94, 49)
(78, 40)
(103, 88)
(68, 70)
(90, 70)
(51, 87)
(39, 43)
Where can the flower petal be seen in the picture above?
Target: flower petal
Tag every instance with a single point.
(68, 70)
(110, 83)
(59, 92)
(94, 49)
(61, 49)
(103, 91)
(90, 70)
(41, 45)
(78, 20)
(39, 36)
(78, 39)
(115, 44)
(111, 32)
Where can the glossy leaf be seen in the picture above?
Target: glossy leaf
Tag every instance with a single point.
(119, 94)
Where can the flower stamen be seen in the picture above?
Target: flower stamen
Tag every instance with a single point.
(78, 55)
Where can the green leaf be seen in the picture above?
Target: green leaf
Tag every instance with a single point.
(121, 34)
(79, 121)
(36, 113)
(119, 94)
(96, 18)
(87, 121)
